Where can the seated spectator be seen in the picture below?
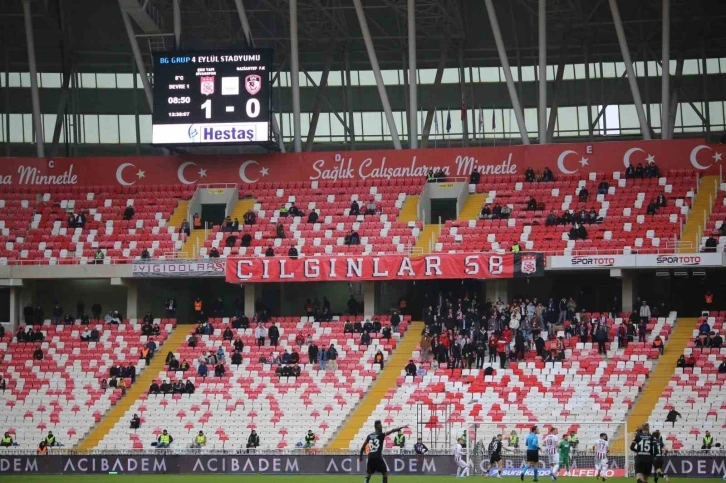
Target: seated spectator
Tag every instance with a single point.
(238, 344)
(515, 248)
(192, 341)
(219, 369)
(189, 387)
(567, 217)
(691, 361)
(357, 327)
(475, 177)
(592, 216)
(286, 357)
(246, 240)
(250, 218)
(506, 211)
(293, 253)
(652, 207)
(365, 338)
(227, 224)
(378, 359)
(166, 388)
(135, 422)
(704, 328)
(313, 217)
(551, 219)
(184, 228)
(722, 367)
(710, 245)
(532, 204)
(410, 368)
(352, 238)
(707, 441)
(184, 366)
(630, 172)
(348, 327)
(202, 369)
(154, 388)
(639, 170)
(129, 212)
(578, 232)
(386, 333)
(658, 344)
(86, 335)
(98, 257)
(178, 387)
(72, 221)
(235, 225)
(214, 253)
(547, 175)
(295, 370)
(368, 326)
(122, 385)
(716, 341)
(371, 207)
(227, 334)
(269, 252)
(280, 231)
(486, 213)
(661, 200)
(603, 187)
(722, 229)
(174, 364)
(104, 384)
(236, 358)
(38, 354)
(496, 211)
(583, 195)
(295, 211)
(354, 208)
(164, 440)
(529, 175)
(145, 255)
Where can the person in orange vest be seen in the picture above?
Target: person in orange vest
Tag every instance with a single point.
(708, 298)
(145, 354)
(197, 220)
(658, 344)
(197, 307)
(42, 448)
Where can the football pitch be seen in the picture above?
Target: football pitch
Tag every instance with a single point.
(294, 479)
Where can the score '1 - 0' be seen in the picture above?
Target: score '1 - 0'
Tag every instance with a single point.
(252, 108)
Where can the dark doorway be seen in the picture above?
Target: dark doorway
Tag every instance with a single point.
(213, 214)
(443, 208)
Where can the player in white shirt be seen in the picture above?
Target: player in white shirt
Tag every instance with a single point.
(462, 469)
(552, 442)
(601, 448)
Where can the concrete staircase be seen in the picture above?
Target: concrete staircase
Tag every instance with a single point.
(386, 380)
(143, 381)
(241, 208)
(409, 210)
(427, 239)
(699, 214)
(179, 214)
(472, 207)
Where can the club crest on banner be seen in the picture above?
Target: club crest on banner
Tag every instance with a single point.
(253, 84)
(207, 85)
(529, 264)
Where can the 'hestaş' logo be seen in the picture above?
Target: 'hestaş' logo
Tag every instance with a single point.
(227, 133)
(592, 261)
(678, 260)
(253, 84)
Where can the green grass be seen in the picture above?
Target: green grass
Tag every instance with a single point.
(292, 479)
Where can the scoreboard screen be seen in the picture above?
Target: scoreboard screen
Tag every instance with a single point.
(212, 97)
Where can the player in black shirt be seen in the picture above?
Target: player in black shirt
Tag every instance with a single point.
(495, 456)
(375, 442)
(644, 450)
(659, 446)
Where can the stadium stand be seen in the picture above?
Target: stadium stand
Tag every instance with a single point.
(625, 225)
(62, 392)
(280, 409)
(697, 393)
(603, 388)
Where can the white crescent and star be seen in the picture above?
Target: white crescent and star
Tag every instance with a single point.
(561, 162)
(243, 171)
(626, 157)
(717, 157)
(120, 174)
(180, 172)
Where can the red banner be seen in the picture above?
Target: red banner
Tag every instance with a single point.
(384, 267)
(249, 169)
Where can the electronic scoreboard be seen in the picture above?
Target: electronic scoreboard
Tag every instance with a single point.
(212, 97)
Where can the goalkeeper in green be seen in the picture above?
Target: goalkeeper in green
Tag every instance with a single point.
(564, 448)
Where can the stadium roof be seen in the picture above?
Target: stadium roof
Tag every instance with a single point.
(95, 39)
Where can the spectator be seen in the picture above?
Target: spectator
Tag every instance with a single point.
(323, 358)
(475, 177)
(583, 195)
(639, 170)
(219, 370)
(410, 368)
(184, 228)
(135, 422)
(716, 341)
(547, 175)
(652, 207)
(98, 257)
(274, 333)
(154, 388)
(352, 238)
(365, 338)
(293, 253)
(269, 252)
(532, 204)
(722, 367)
(661, 200)
(681, 362)
(672, 417)
(644, 312)
(386, 332)
(189, 387)
(371, 207)
(253, 440)
(104, 384)
(145, 255)
(707, 441)
(704, 328)
(193, 341)
(57, 314)
(294, 210)
(505, 212)
(50, 439)
(42, 448)
(515, 248)
(658, 344)
(6, 441)
(603, 187)
(200, 440)
(529, 175)
(249, 218)
(164, 439)
(202, 369)
(710, 245)
(378, 359)
(354, 208)
(486, 213)
(38, 354)
(310, 439)
(313, 353)
(214, 253)
(313, 217)
(551, 219)
(228, 334)
(691, 361)
(129, 212)
(196, 221)
(280, 231)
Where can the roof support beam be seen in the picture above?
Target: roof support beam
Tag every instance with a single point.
(437, 82)
(318, 99)
(542, 41)
(412, 78)
(665, 71)
(295, 78)
(34, 96)
(137, 57)
(377, 73)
